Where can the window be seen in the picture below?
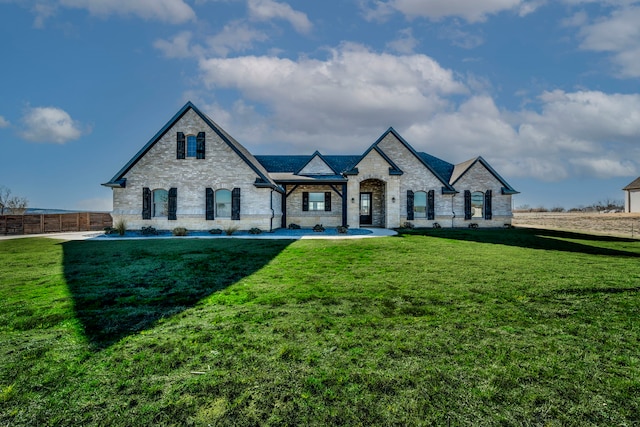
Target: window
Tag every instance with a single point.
(191, 146)
(316, 201)
(420, 204)
(477, 204)
(223, 204)
(160, 203)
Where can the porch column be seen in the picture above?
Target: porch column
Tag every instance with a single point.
(344, 205)
(284, 207)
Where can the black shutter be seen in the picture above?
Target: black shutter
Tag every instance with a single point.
(487, 205)
(200, 143)
(209, 204)
(467, 204)
(305, 201)
(327, 201)
(431, 208)
(235, 204)
(146, 203)
(180, 146)
(173, 204)
(409, 205)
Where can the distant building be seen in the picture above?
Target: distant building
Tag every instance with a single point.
(195, 175)
(632, 196)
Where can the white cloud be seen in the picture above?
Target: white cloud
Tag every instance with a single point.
(235, 37)
(4, 123)
(405, 43)
(50, 124)
(172, 11)
(469, 10)
(265, 10)
(178, 47)
(617, 34)
(352, 88)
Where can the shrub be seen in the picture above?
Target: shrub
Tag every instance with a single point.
(215, 231)
(180, 231)
(318, 228)
(110, 230)
(293, 226)
(408, 225)
(120, 226)
(473, 225)
(436, 225)
(342, 229)
(149, 231)
(230, 230)
(255, 230)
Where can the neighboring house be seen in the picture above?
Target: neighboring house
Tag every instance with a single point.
(632, 196)
(193, 174)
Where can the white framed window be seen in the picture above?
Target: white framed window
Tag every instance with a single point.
(160, 203)
(477, 204)
(420, 204)
(223, 203)
(316, 201)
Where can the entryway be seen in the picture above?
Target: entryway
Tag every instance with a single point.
(372, 203)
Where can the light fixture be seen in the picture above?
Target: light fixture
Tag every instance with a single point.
(353, 200)
(393, 199)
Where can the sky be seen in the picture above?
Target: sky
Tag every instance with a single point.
(547, 91)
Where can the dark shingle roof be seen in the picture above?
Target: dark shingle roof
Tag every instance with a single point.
(635, 185)
(279, 164)
(442, 168)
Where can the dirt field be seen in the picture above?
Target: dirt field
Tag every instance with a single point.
(620, 224)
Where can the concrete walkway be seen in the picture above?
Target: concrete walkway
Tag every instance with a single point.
(95, 235)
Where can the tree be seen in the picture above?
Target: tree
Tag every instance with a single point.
(11, 204)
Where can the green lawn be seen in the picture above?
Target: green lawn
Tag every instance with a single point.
(439, 327)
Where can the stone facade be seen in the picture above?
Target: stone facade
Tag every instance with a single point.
(221, 168)
(307, 219)
(388, 170)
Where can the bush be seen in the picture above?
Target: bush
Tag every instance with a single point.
(215, 231)
(149, 231)
(255, 230)
(180, 231)
(318, 228)
(473, 225)
(120, 226)
(293, 226)
(110, 230)
(408, 225)
(436, 225)
(342, 229)
(230, 229)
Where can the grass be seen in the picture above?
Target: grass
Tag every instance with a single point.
(435, 327)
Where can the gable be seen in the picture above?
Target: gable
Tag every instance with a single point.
(316, 166)
(408, 160)
(478, 173)
(376, 160)
(186, 118)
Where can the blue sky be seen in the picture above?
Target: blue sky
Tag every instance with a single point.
(547, 91)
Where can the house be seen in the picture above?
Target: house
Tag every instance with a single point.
(195, 175)
(632, 196)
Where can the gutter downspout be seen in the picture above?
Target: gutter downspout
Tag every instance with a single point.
(453, 210)
(272, 212)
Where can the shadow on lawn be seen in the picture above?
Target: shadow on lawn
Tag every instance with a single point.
(122, 287)
(534, 238)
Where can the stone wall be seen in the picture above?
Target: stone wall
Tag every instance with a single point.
(222, 168)
(307, 219)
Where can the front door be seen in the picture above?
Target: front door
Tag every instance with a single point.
(365, 209)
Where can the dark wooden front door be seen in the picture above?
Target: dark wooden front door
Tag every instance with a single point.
(365, 209)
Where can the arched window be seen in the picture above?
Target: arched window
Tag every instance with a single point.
(191, 146)
(223, 204)
(420, 204)
(477, 204)
(160, 202)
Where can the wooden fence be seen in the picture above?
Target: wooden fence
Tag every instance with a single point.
(54, 223)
